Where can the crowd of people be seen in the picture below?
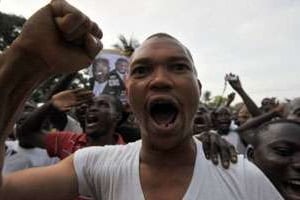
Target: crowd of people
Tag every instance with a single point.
(162, 143)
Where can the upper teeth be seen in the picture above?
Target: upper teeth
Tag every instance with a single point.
(295, 182)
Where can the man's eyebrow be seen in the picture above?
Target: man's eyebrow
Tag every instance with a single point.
(169, 59)
(283, 141)
(141, 61)
(178, 58)
(296, 110)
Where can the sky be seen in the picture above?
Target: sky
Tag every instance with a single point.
(256, 39)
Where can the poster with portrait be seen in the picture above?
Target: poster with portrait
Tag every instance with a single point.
(108, 71)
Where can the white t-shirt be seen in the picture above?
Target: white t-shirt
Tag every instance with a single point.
(18, 158)
(14, 161)
(234, 138)
(73, 125)
(112, 172)
(98, 88)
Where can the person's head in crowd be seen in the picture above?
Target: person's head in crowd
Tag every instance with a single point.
(122, 65)
(28, 108)
(129, 129)
(103, 115)
(80, 113)
(267, 104)
(163, 91)
(23, 116)
(276, 151)
(100, 70)
(222, 117)
(243, 115)
(202, 120)
(293, 109)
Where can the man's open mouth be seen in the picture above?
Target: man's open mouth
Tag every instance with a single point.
(163, 111)
(91, 119)
(293, 188)
(199, 120)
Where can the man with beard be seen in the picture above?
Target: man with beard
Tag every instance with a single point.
(163, 91)
(102, 117)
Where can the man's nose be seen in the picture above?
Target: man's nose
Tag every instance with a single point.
(296, 162)
(92, 108)
(161, 79)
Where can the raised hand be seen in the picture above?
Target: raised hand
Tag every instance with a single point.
(234, 81)
(67, 99)
(61, 37)
(230, 98)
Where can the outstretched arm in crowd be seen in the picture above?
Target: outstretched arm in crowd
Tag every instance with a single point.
(251, 106)
(56, 39)
(63, 84)
(230, 99)
(30, 132)
(255, 122)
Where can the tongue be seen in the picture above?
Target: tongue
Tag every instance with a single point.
(164, 118)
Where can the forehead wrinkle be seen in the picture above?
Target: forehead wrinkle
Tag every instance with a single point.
(187, 55)
(148, 60)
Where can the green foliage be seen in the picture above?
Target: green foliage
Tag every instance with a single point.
(126, 46)
(213, 101)
(217, 101)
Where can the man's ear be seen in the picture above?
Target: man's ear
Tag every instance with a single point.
(250, 153)
(199, 87)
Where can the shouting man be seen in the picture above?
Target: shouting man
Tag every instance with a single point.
(163, 91)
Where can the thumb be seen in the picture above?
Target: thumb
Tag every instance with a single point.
(92, 45)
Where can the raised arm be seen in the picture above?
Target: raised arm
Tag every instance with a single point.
(66, 100)
(63, 84)
(56, 39)
(237, 86)
(230, 99)
(29, 132)
(255, 122)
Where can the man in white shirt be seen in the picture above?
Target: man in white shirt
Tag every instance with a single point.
(163, 91)
(18, 158)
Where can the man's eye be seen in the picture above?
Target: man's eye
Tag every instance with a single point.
(103, 104)
(297, 113)
(180, 67)
(283, 151)
(140, 71)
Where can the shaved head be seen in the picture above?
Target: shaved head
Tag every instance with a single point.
(167, 36)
